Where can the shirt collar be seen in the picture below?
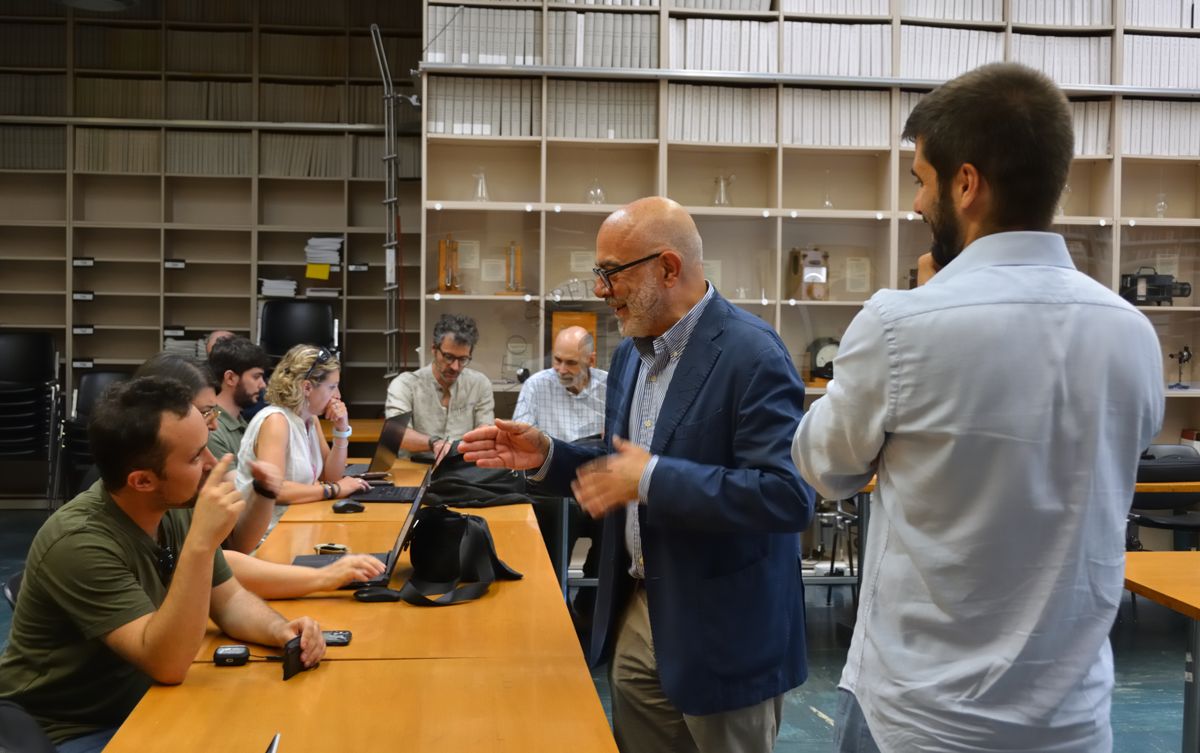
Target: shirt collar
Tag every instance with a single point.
(1016, 248)
(670, 344)
(231, 421)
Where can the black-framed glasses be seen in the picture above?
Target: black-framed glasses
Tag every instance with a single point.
(460, 360)
(606, 275)
(323, 357)
(165, 563)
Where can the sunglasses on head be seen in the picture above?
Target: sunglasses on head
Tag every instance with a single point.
(323, 357)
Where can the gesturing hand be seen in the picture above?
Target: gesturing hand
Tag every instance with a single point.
(508, 444)
(267, 475)
(610, 482)
(218, 506)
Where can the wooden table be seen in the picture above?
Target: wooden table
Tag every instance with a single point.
(364, 430)
(442, 705)
(516, 619)
(1173, 580)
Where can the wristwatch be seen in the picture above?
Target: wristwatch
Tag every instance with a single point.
(433, 439)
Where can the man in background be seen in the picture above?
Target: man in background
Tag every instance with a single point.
(239, 367)
(566, 400)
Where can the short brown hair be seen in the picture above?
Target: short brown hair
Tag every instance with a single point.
(1013, 124)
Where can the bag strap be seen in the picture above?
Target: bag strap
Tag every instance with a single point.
(475, 555)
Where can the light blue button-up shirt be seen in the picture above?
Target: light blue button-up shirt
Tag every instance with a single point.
(1003, 406)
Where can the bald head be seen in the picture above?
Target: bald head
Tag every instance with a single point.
(655, 258)
(214, 337)
(572, 358)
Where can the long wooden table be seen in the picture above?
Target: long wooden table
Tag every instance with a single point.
(503, 673)
(440, 705)
(1173, 580)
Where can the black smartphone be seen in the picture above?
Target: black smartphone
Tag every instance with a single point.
(337, 637)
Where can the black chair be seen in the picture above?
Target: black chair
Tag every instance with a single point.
(1172, 511)
(76, 453)
(12, 587)
(91, 386)
(286, 323)
(30, 405)
(28, 358)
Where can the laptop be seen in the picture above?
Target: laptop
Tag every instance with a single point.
(387, 449)
(390, 558)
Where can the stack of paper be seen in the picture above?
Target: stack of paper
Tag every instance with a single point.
(282, 288)
(185, 348)
(323, 251)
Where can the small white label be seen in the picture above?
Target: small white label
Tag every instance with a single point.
(82, 330)
(81, 295)
(468, 255)
(582, 261)
(169, 332)
(357, 267)
(83, 261)
(81, 364)
(175, 264)
(858, 274)
(492, 271)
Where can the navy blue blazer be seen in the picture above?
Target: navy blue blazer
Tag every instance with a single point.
(720, 530)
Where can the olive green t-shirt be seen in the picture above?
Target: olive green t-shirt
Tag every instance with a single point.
(90, 570)
(227, 437)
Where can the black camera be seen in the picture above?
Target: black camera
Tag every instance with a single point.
(1147, 287)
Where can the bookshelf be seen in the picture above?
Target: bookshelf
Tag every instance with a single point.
(802, 101)
(157, 163)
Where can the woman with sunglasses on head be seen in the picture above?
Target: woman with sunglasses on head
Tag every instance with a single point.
(287, 433)
(266, 579)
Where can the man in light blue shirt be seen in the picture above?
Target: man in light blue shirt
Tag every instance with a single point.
(566, 400)
(1003, 407)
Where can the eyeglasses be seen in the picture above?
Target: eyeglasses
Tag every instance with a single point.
(606, 275)
(460, 360)
(165, 563)
(323, 357)
(210, 413)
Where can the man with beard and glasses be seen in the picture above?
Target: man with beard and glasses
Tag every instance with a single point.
(118, 587)
(700, 602)
(444, 397)
(566, 400)
(239, 366)
(994, 564)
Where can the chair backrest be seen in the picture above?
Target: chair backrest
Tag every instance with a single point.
(288, 323)
(28, 357)
(91, 386)
(12, 587)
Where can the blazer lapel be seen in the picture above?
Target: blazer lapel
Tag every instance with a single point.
(699, 357)
(620, 393)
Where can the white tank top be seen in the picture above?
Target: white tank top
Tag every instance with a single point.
(304, 461)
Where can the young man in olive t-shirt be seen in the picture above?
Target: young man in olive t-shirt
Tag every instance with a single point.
(118, 588)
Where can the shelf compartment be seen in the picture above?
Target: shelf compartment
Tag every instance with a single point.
(205, 246)
(366, 347)
(364, 385)
(371, 282)
(34, 275)
(117, 244)
(115, 310)
(489, 234)
(570, 256)
(740, 254)
(288, 247)
(118, 97)
(366, 208)
(1090, 247)
(307, 204)
(206, 51)
(33, 45)
(692, 172)
(32, 196)
(845, 180)
(122, 345)
(49, 243)
(32, 147)
(204, 315)
(1146, 182)
(117, 198)
(512, 170)
(31, 93)
(216, 280)
(216, 153)
(118, 279)
(1169, 250)
(625, 171)
(208, 201)
(801, 324)
(858, 258)
(303, 155)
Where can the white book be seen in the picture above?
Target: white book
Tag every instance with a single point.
(624, 42)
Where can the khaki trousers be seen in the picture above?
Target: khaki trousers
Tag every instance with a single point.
(644, 721)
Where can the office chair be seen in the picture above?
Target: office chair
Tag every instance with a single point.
(30, 404)
(76, 454)
(1168, 511)
(27, 359)
(12, 587)
(286, 323)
